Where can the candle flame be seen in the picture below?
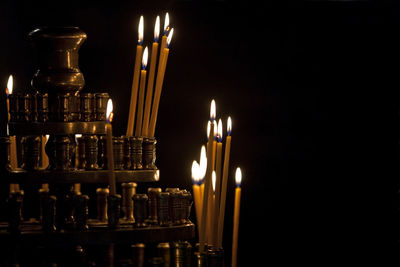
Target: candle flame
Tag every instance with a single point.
(238, 177)
(145, 58)
(47, 138)
(195, 172)
(229, 127)
(171, 32)
(203, 162)
(219, 133)
(214, 179)
(9, 85)
(166, 23)
(157, 29)
(140, 30)
(212, 110)
(109, 112)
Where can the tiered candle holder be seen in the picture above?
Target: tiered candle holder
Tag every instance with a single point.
(60, 110)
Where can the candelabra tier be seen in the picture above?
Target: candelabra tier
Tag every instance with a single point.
(80, 176)
(124, 234)
(57, 128)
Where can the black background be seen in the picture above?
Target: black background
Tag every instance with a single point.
(312, 91)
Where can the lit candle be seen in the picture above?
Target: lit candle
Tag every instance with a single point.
(211, 207)
(159, 81)
(207, 182)
(150, 82)
(110, 154)
(236, 214)
(196, 191)
(165, 33)
(135, 82)
(217, 184)
(143, 73)
(9, 90)
(214, 148)
(13, 145)
(224, 183)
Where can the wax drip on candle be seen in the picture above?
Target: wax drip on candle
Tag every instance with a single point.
(166, 24)
(157, 30)
(145, 58)
(140, 31)
(238, 177)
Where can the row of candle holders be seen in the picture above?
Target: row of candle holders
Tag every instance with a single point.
(156, 208)
(174, 253)
(88, 152)
(63, 107)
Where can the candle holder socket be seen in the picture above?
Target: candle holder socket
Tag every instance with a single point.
(34, 108)
(5, 156)
(102, 203)
(136, 152)
(118, 150)
(81, 160)
(42, 107)
(149, 153)
(187, 206)
(101, 100)
(24, 107)
(91, 152)
(127, 153)
(140, 209)
(181, 253)
(164, 252)
(86, 107)
(15, 203)
(81, 211)
(62, 153)
(163, 208)
(118, 153)
(31, 153)
(14, 107)
(215, 257)
(113, 210)
(153, 205)
(128, 191)
(138, 254)
(48, 207)
(75, 106)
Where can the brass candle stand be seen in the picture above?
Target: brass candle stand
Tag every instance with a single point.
(58, 108)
